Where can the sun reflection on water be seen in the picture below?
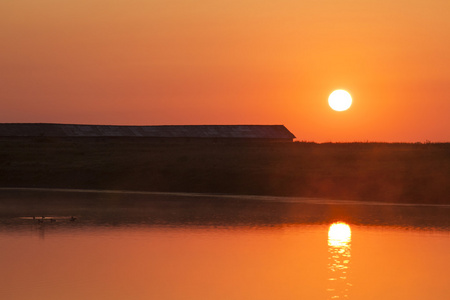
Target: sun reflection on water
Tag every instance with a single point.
(339, 250)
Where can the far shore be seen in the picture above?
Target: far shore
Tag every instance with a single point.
(368, 172)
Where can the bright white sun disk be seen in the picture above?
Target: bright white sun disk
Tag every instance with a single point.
(340, 100)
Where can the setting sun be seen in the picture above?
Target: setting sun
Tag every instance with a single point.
(340, 100)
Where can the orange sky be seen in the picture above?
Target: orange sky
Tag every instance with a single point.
(156, 62)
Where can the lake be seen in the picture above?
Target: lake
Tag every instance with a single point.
(100, 245)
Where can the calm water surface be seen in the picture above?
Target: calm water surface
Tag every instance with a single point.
(180, 247)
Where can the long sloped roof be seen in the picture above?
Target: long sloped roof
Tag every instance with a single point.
(175, 131)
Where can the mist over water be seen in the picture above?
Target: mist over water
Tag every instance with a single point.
(154, 246)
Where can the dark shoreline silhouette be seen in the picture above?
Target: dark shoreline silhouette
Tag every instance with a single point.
(382, 172)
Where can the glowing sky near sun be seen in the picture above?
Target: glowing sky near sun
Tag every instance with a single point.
(231, 62)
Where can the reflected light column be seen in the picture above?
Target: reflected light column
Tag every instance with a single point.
(339, 250)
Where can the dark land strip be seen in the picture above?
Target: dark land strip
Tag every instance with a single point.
(380, 172)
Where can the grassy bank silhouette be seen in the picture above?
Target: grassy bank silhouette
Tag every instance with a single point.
(407, 173)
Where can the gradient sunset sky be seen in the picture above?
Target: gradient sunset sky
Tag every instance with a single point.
(161, 62)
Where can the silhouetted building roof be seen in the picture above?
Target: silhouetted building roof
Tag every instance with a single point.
(166, 131)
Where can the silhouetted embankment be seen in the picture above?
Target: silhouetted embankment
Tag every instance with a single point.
(413, 173)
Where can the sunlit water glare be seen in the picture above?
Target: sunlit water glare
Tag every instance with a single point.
(339, 250)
